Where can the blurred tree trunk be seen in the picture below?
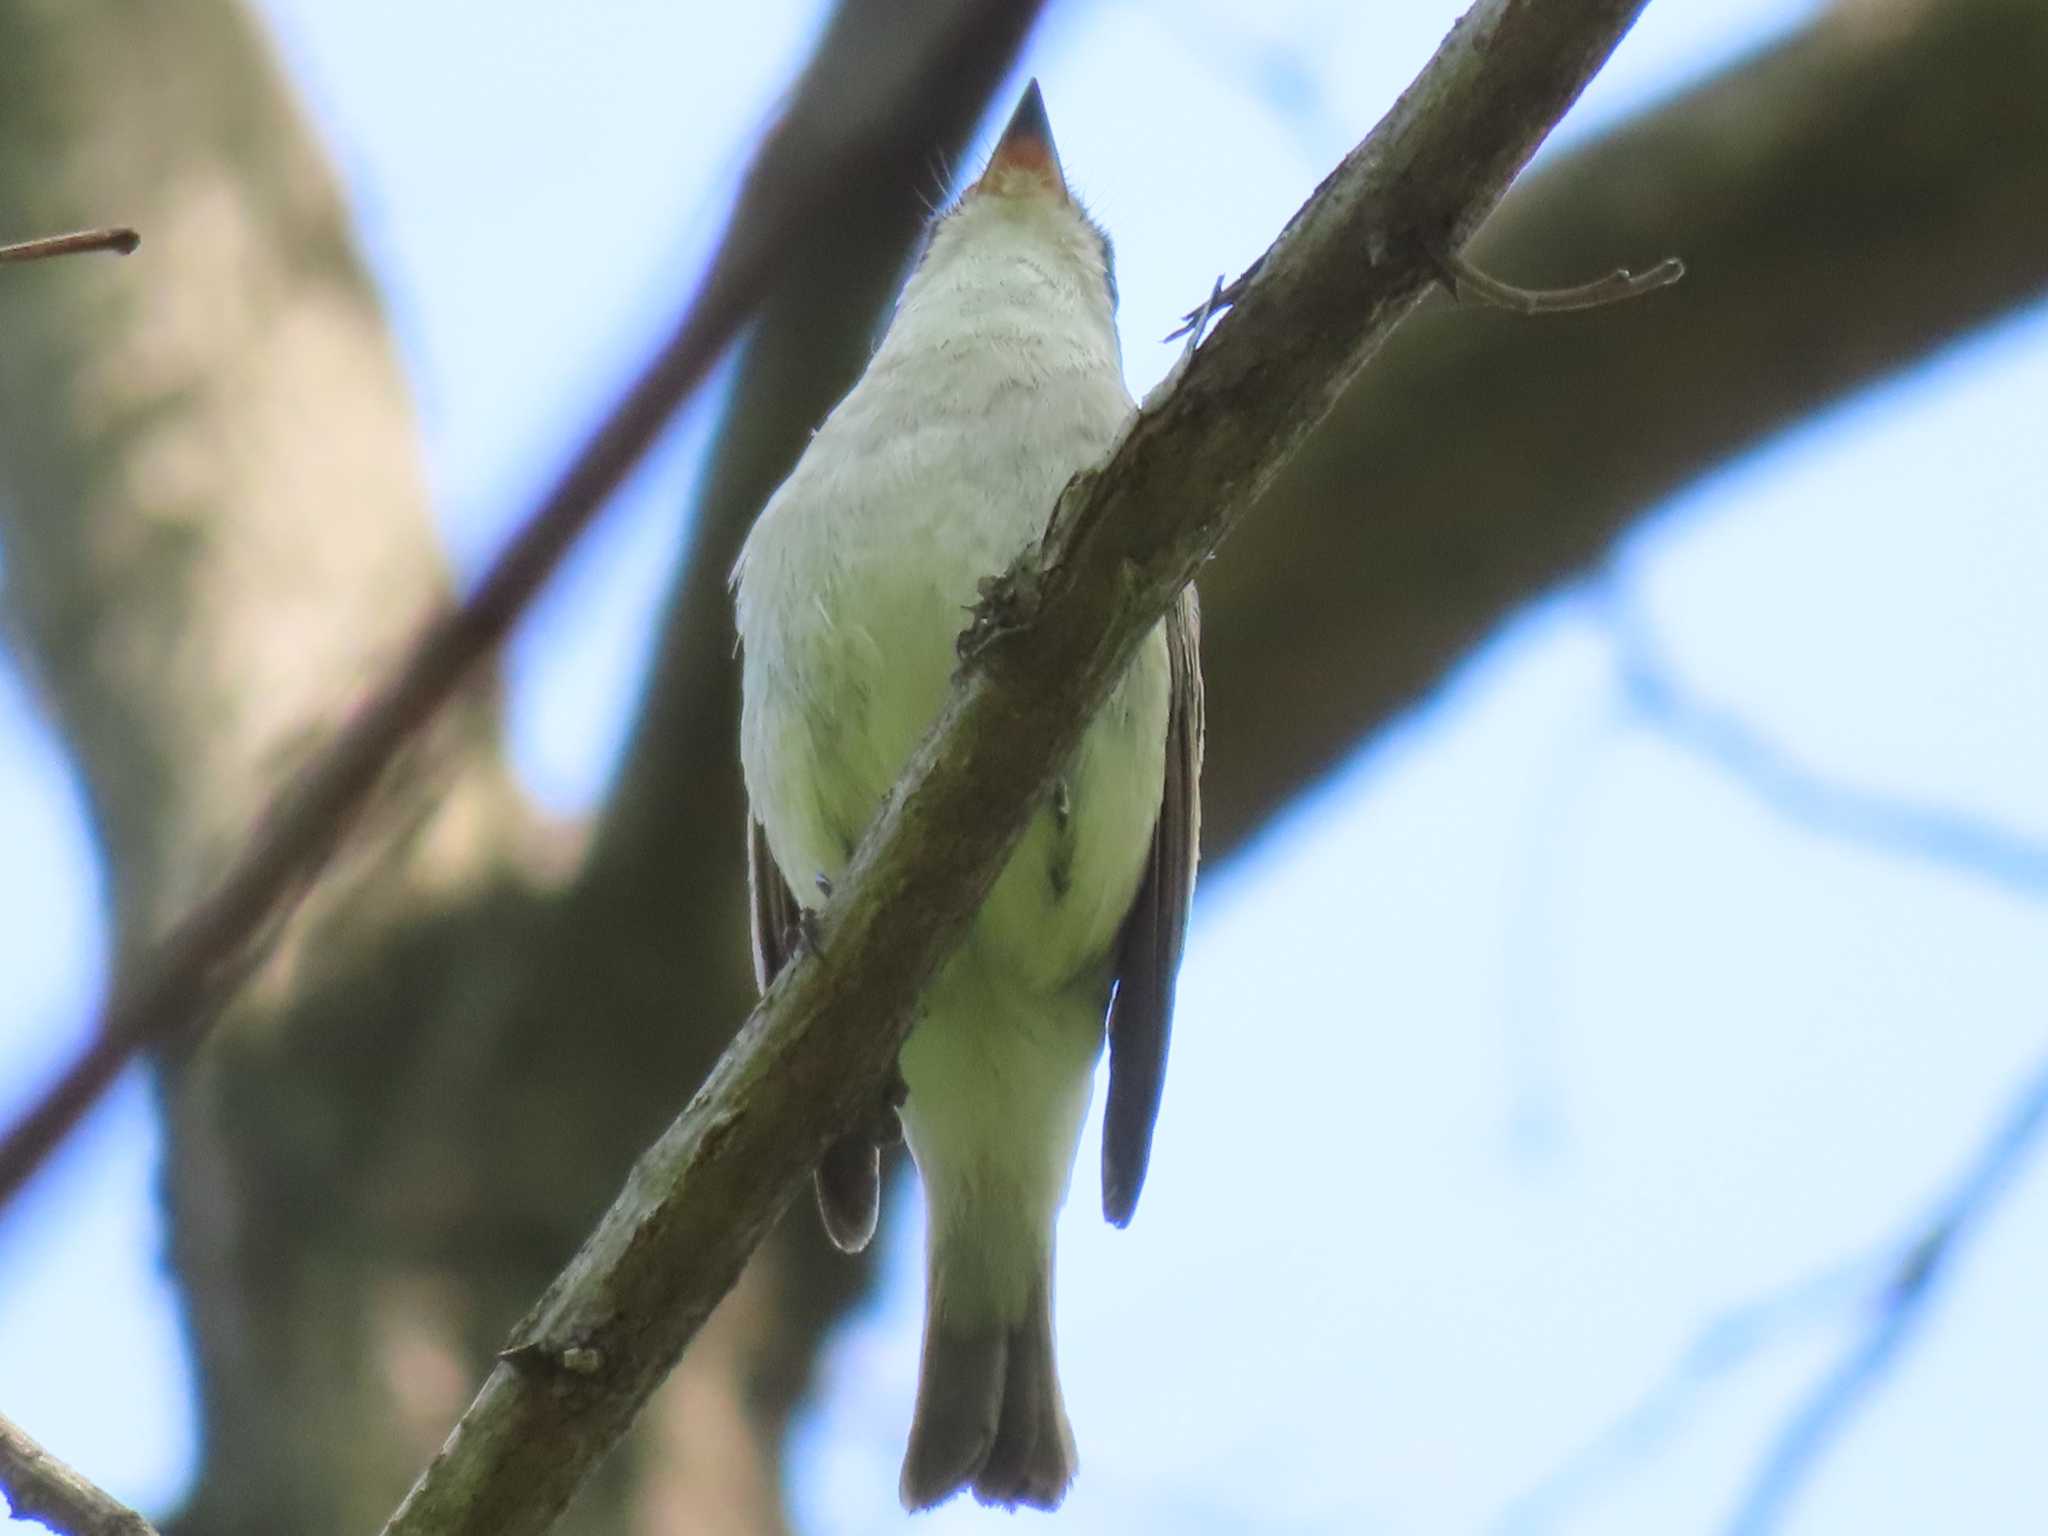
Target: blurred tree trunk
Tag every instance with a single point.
(215, 530)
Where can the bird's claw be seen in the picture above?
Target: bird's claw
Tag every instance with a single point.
(806, 932)
(1007, 602)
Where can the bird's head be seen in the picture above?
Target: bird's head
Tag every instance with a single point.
(1018, 235)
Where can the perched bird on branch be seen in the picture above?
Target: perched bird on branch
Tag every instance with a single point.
(998, 379)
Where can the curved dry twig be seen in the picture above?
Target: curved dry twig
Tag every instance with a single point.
(1465, 281)
(1779, 178)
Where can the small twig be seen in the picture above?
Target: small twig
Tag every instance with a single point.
(39, 1487)
(119, 240)
(1901, 1307)
(1196, 321)
(1465, 281)
(1221, 297)
(1721, 1346)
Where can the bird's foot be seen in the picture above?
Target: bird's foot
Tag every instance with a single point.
(806, 933)
(1007, 603)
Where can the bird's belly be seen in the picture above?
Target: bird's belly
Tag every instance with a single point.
(1056, 909)
(832, 730)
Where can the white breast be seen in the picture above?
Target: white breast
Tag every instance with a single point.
(933, 473)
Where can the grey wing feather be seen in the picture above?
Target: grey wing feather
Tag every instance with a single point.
(775, 911)
(849, 1177)
(1155, 932)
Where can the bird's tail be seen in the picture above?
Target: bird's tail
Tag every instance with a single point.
(989, 1413)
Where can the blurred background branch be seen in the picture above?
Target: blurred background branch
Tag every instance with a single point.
(1890, 1291)
(1655, 696)
(1895, 1311)
(1722, 1346)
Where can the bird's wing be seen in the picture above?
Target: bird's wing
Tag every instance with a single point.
(1149, 951)
(774, 908)
(848, 1178)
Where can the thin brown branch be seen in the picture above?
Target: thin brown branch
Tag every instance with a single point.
(37, 1486)
(120, 241)
(174, 993)
(1058, 630)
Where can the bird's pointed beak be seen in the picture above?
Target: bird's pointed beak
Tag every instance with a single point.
(1025, 159)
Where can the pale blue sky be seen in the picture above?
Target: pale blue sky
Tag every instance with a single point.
(1527, 1046)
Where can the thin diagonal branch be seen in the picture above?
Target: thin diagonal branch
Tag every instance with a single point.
(1722, 1345)
(1046, 648)
(177, 989)
(1900, 1309)
(37, 1486)
(1894, 1284)
(1952, 839)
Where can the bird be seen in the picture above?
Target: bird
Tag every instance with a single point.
(998, 378)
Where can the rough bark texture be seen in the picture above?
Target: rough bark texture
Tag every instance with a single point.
(214, 528)
(37, 1486)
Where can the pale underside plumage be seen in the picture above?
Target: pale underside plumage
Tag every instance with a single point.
(997, 381)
